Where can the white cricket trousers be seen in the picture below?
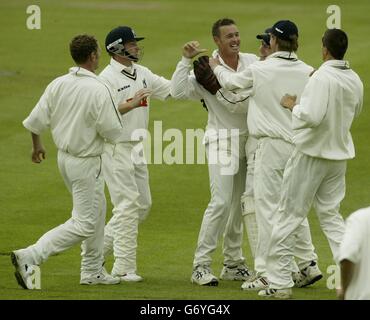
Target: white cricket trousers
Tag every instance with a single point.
(223, 214)
(307, 181)
(128, 183)
(270, 161)
(247, 199)
(84, 181)
(250, 151)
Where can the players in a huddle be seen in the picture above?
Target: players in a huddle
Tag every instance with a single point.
(265, 82)
(290, 122)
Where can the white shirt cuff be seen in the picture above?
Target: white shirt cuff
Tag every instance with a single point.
(186, 61)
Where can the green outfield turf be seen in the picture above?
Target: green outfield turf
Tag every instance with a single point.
(33, 198)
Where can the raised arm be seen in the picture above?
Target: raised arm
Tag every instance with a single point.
(182, 83)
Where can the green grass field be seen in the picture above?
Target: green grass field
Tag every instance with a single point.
(33, 197)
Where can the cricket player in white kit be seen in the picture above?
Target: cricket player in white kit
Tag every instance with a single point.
(125, 170)
(239, 103)
(223, 214)
(354, 257)
(322, 119)
(80, 113)
(271, 125)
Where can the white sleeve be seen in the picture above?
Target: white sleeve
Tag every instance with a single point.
(350, 248)
(361, 100)
(160, 86)
(183, 85)
(39, 118)
(234, 102)
(234, 80)
(108, 122)
(313, 105)
(108, 82)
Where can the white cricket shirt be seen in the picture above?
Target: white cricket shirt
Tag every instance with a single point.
(267, 81)
(323, 117)
(80, 112)
(125, 82)
(185, 86)
(355, 247)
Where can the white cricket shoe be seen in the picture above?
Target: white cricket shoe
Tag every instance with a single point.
(258, 283)
(307, 276)
(102, 278)
(276, 293)
(202, 275)
(27, 275)
(237, 273)
(130, 277)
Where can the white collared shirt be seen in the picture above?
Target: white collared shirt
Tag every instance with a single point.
(80, 112)
(323, 117)
(185, 86)
(125, 82)
(267, 81)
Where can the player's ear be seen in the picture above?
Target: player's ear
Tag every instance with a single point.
(325, 53)
(94, 56)
(216, 40)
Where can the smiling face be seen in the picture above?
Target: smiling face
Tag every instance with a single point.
(228, 40)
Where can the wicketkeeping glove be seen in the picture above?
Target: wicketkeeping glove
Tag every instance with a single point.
(205, 76)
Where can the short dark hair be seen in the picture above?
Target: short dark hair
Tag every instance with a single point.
(336, 41)
(288, 45)
(82, 46)
(219, 23)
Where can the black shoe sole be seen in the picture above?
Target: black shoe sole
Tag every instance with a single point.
(17, 274)
(213, 283)
(317, 278)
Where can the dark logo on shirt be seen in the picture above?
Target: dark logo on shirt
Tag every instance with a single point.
(123, 88)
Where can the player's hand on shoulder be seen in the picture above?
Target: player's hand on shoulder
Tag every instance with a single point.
(288, 101)
(192, 49)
